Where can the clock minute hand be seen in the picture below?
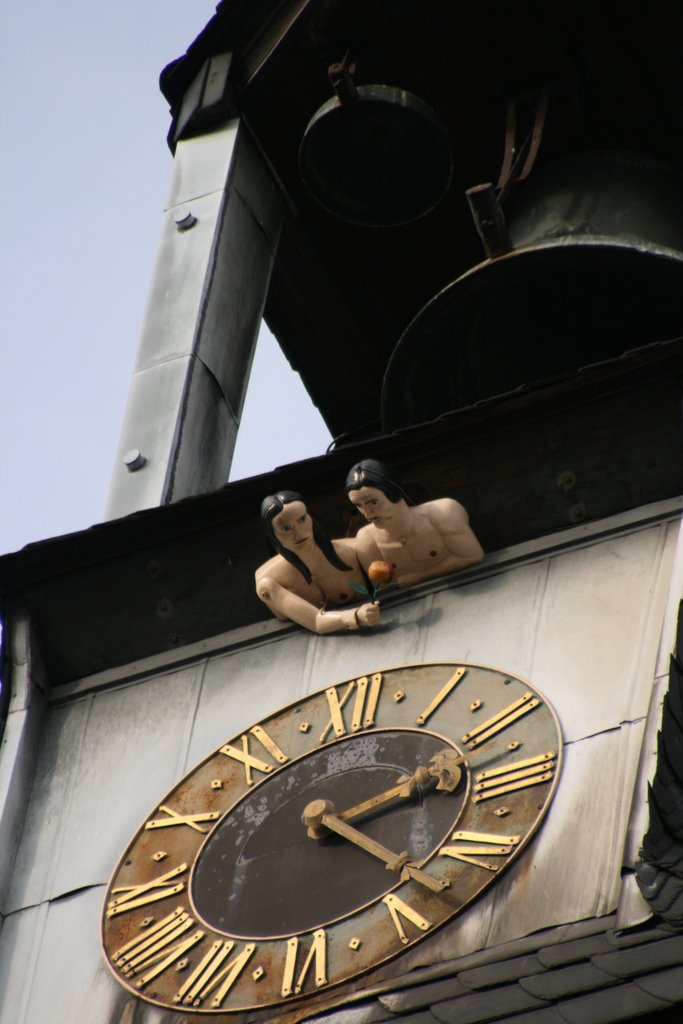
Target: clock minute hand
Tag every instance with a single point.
(405, 788)
(442, 766)
(319, 818)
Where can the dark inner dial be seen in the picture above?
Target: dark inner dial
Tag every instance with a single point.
(259, 874)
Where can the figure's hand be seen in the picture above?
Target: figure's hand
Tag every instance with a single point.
(367, 614)
(319, 819)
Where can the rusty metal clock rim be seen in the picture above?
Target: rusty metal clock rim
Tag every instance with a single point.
(381, 942)
(282, 769)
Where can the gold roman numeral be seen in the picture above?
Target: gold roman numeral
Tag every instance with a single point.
(251, 762)
(517, 775)
(441, 696)
(182, 819)
(147, 892)
(212, 972)
(398, 909)
(366, 692)
(318, 951)
(501, 720)
(156, 949)
(478, 844)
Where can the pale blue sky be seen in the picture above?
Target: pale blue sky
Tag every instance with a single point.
(84, 171)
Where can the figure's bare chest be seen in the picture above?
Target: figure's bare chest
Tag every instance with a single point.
(418, 547)
(332, 588)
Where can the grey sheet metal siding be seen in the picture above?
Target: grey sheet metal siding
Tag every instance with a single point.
(583, 624)
(104, 761)
(202, 319)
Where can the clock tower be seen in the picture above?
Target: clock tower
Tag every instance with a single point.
(465, 229)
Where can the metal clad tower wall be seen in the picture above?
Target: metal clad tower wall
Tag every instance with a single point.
(588, 619)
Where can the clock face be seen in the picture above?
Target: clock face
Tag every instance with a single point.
(330, 837)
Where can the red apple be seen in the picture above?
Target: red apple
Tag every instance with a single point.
(380, 573)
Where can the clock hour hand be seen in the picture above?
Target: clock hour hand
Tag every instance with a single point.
(320, 820)
(442, 766)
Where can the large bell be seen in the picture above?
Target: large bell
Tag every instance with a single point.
(596, 270)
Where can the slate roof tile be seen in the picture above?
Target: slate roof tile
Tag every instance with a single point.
(572, 952)
(625, 963)
(594, 979)
(359, 1013)
(663, 984)
(526, 946)
(613, 1004)
(543, 1015)
(478, 1007)
(422, 995)
(422, 1017)
(568, 981)
(635, 937)
(504, 971)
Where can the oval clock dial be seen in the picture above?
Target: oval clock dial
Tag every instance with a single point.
(330, 837)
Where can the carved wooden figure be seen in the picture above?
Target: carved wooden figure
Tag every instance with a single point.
(310, 572)
(422, 541)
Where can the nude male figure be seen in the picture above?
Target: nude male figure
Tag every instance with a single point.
(422, 541)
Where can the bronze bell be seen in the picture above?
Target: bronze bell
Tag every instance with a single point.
(596, 269)
(376, 155)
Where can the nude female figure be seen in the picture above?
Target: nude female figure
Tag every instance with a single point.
(310, 571)
(421, 541)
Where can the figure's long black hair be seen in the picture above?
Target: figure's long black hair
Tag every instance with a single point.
(373, 473)
(271, 506)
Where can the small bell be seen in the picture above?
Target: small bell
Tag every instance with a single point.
(375, 155)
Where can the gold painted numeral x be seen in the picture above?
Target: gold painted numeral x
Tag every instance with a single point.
(182, 819)
(250, 762)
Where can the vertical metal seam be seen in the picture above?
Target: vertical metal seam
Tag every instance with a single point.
(75, 774)
(647, 623)
(312, 641)
(620, 811)
(182, 765)
(673, 599)
(422, 631)
(6, 665)
(540, 594)
(33, 961)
